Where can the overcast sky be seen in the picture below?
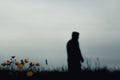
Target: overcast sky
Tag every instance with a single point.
(40, 29)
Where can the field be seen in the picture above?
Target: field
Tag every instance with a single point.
(29, 70)
(102, 74)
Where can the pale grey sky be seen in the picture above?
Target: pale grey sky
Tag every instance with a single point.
(41, 28)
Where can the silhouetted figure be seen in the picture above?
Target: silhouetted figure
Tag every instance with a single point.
(74, 54)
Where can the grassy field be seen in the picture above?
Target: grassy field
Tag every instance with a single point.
(101, 74)
(16, 70)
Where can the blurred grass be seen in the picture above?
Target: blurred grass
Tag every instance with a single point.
(96, 74)
(61, 73)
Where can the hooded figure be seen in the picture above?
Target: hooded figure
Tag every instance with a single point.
(74, 54)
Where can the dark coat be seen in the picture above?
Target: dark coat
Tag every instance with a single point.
(74, 55)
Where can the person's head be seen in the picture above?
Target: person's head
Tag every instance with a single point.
(75, 35)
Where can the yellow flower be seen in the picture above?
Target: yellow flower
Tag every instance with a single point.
(37, 64)
(20, 66)
(16, 63)
(26, 60)
(33, 63)
(29, 73)
(5, 63)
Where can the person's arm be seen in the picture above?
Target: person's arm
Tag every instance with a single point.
(81, 57)
(80, 54)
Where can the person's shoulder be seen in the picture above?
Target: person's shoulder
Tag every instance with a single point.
(69, 41)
